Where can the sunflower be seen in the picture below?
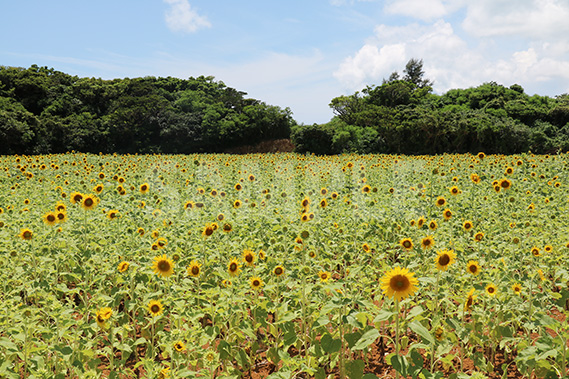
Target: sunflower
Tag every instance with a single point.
(140, 231)
(75, 197)
(60, 207)
(491, 289)
(481, 155)
(444, 259)
(406, 243)
(180, 346)
(517, 288)
(123, 266)
(226, 283)
(447, 214)
(89, 202)
(50, 218)
(324, 276)
(238, 187)
(305, 217)
(305, 202)
(433, 225)
(509, 171)
(103, 315)
(478, 236)
(249, 257)
(427, 242)
(467, 225)
(399, 283)
(26, 234)
(469, 300)
(548, 248)
(194, 269)
(535, 252)
(366, 189)
(505, 184)
(98, 188)
(189, 205)
(237, 204)
(440, 201)
(155, 307)
(227, 227)
(278, 271)
(323, 191)
(366, 248)
(323, 203)
(473, 267)
(262, 255)
(256, 282)
(163, 266)
(420, 222)
(112, 214)
(475, 178)
(454, 190)
(61, 216)
(144, 188)
(439, 333)
(207, 230)
(234, 267)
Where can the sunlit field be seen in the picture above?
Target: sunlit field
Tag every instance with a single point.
(283, 266)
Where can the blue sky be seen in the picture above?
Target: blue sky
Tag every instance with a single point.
(296, 53)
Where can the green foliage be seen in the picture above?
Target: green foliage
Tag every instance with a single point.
(43, 110)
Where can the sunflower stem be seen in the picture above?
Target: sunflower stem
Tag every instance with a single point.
(396, 332)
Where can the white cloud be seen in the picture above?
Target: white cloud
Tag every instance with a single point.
(531, 18)
(180, 17)
(419, 9)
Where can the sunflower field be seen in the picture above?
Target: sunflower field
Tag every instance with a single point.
(284, 266)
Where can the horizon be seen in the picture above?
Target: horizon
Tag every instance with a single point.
(297, 55)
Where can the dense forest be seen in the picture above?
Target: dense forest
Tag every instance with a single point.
(402, 115)
(47, 111)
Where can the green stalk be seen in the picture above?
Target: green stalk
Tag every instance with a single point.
(396, 332)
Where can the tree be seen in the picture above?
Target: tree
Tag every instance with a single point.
(414, 73)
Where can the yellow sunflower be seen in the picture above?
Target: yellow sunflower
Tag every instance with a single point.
(256, 282)
(144, 188)
(112, 214)
(473, 267)
(123, 266)
(469, 300)
(324, 276)
(227, 227)
(249, 257)
(440, 202)
(26, 234)
(517, 288)
(447, 214)
(366, 248)
(433, 225)
(180, 346)
(406, 243)
(50, 218)
(155, 307)
(75, 197)
(427, 242)
(399, 283)
(491, 289)
(467, 225)
(278, 271)
(163, 266)
(234, 267)
(89, 202)
(444, 259)
(194, 269)
(535, 252)
(102, 316)
(478, 236)
(207, 230)
(505, 184)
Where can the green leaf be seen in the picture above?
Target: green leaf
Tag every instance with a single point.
(355, 369)
(366, 339)
(329, 344)
(418, 328)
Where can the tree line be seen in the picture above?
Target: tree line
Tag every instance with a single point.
(404, 116)
(47, 111)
